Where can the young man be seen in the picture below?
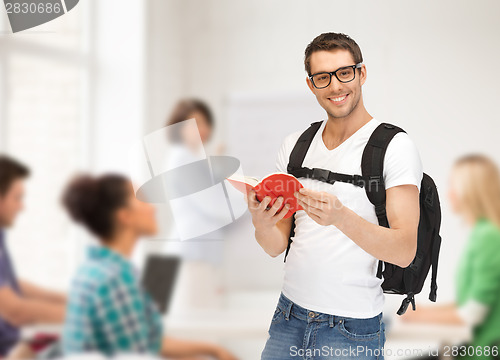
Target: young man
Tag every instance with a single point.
(21, 303)
(331, 301)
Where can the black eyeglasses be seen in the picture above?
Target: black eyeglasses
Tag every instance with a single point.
(344, 74)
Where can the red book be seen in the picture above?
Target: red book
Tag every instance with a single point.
(273, 185)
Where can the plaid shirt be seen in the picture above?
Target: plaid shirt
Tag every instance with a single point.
(108, 311)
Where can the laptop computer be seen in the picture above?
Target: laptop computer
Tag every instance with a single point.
(158, 279)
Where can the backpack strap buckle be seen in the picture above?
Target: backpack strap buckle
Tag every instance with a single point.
(358, 180)
(320, 174)
(410, 299)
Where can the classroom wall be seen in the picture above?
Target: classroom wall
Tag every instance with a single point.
(430, 70)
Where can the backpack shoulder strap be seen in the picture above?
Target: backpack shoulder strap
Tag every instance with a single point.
(295, 161)
(299, 151)
(372, 166)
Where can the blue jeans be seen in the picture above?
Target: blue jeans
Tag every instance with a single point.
(298, 333)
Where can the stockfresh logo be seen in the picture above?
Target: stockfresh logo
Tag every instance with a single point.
(26, 14)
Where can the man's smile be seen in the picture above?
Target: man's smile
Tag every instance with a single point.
(338, 100)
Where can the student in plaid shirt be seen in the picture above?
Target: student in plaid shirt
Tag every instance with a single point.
(108, 311)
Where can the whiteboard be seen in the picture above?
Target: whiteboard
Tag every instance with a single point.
(257, 123)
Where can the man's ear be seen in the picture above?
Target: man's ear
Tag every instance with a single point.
(309, 84)
(362, 75)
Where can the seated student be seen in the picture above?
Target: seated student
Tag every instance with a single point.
(108, 311)
(474, 195)
(21, 303)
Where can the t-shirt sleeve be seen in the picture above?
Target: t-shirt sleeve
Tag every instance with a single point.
(281, 158)
(485, 277)
(284, 151)
(402, 164)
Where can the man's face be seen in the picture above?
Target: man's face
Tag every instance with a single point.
(11, 203)
(338, 99)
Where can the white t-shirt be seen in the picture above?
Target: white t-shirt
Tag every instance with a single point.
(325, 271)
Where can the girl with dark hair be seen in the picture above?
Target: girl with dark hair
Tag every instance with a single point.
(108, 311)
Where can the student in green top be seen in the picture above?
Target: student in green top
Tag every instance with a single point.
(474, 195)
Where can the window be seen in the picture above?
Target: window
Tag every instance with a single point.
(43, 94)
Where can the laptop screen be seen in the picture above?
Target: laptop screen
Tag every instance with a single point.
(159, 277)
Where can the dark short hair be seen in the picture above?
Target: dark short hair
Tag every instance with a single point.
(10, 170)
(331, 41)
(93, 201)
(181, 112)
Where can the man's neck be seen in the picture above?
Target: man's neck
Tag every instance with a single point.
(337, 130)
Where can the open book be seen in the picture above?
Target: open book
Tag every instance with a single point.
(273, 185)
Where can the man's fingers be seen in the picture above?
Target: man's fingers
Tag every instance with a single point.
(281, 214)
(304, 205)
(274, 209)
(252, 199)
(310, 201)
(263, 204)
(310, 211)
(315, 211)
(315, 217)
(309, 208)
(316, 195)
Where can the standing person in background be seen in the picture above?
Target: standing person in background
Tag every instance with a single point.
(186, 148)
(108, 311)
(21, 303)
(475, 196)
(200, 282)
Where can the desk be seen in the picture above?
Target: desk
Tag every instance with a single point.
(221, 323)
(27, 332)
(405, 340)
(242, 327)
(241, 330)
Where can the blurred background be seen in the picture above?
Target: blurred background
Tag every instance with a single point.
(77, 91)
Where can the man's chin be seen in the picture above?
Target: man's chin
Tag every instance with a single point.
(337, 111)
(338, 114)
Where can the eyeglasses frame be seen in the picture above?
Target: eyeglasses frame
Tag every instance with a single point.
(356, 66)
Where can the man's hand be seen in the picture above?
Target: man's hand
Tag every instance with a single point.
(271, 227)
(261, 217)
(322, 207)
(396, 244)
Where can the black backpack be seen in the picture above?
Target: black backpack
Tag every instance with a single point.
(397, 280)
